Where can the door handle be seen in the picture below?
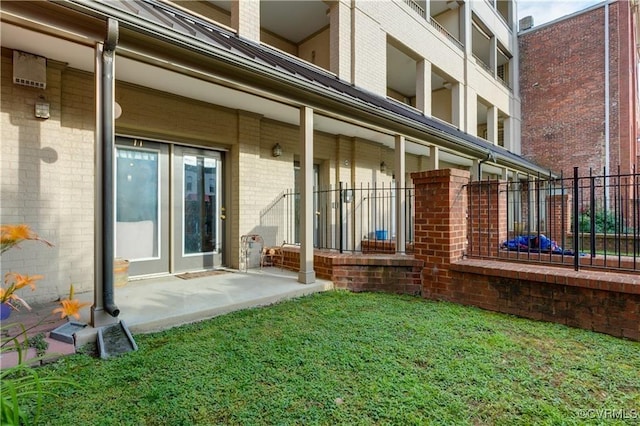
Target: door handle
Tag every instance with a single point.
(223, 217)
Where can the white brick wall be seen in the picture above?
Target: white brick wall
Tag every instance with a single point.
(47, 166)
(47, 183)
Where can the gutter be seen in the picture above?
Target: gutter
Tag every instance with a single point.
(304, 90)
(107, 146)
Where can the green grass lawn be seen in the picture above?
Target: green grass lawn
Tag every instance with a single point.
(356, 359)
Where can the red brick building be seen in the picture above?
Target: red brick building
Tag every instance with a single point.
(579, 90)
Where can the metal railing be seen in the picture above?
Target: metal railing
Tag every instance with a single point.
(590, 220)
(416, 8)
(446, 33)
(347, 218)
(483, 65)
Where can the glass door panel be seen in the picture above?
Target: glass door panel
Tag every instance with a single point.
(198, 238)
(141, 206)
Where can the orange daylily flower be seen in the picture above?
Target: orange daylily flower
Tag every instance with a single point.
(12, 235)
(20, 281)
(70, 308)
(21, 232)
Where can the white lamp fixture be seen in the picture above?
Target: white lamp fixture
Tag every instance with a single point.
(117, 110)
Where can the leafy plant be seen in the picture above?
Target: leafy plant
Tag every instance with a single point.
(39, 344)
(22, 383)
(604, 221)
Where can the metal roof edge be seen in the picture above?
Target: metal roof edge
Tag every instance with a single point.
(455, 139)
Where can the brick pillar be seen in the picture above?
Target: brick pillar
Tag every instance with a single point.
(487, 217)
(558, 217)
(440, 226)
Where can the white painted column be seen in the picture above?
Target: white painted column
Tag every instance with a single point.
(306, 275)
(476, 170)
(493, 56)
(401, 201)
(492, 124)
(434, 158)
(509, 136)
(423, 87)
(457, 104)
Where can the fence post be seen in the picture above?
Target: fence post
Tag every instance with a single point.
(576, 225)
(341, 221)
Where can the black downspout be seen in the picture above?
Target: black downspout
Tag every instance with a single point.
(108, 231)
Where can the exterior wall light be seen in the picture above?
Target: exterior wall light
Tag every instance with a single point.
(383, 167)
(276, 151)
(42, 108)
(117, 110)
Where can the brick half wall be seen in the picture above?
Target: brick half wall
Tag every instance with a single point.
(363, 272)
(603, 302)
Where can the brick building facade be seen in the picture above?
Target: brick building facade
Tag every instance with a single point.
(572, 71)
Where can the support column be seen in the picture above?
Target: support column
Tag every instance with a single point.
(423, 87)
(493, 55)
(434, 158)
(245, 18)
(306, 275)
(400, 171)
(476, 169)
(441, 227)
(492, 124)
(340, 40)
(457, 103)
(510, 137)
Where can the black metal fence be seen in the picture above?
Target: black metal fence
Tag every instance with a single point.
(347, 218)
(585, 220)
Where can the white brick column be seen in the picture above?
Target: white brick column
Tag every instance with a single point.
(423, 87)
(245, 18)
(492, 124)
(340, 40)
(457, 107)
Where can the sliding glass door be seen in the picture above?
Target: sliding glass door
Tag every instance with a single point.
(168, 207)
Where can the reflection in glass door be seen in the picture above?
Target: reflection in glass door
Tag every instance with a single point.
(141, 207)
(198, 177)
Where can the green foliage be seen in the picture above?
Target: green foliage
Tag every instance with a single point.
(21, 384)
(605, 221)
(356, 359)
(39, 344)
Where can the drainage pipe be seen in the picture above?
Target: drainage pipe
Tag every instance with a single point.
(108, 137)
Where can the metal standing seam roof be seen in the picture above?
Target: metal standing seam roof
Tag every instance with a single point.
(203, 31)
